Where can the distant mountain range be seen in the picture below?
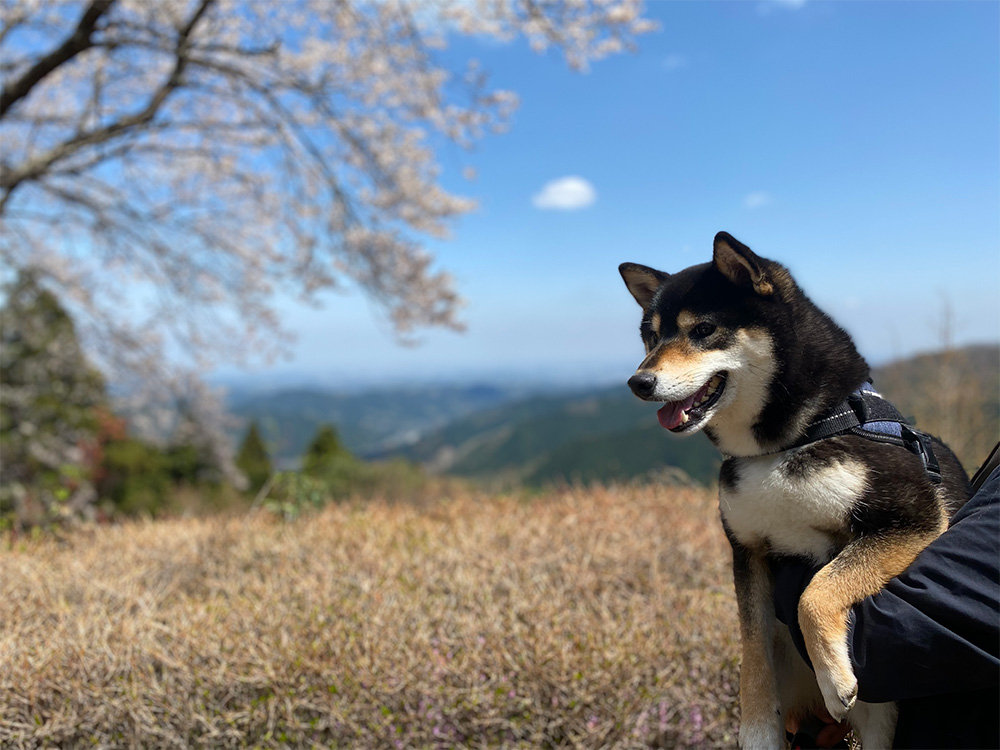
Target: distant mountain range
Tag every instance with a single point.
(368, 421)
(589, 436)
(490, 433)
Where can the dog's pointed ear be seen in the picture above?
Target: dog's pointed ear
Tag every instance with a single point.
(642, 281)
(741, 265)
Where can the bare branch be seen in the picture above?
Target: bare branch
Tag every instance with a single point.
(11, 178)
(74, 44)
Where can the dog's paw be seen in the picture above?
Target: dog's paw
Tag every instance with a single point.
(839, 693)
(762, 735)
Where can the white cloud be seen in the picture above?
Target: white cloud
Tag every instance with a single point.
(756, 199)
(769, 5)
(674, 62)
(565, 194)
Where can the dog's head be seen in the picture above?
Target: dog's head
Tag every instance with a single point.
(710, 336)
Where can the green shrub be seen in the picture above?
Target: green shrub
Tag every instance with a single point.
(325, 453)
(252, 459)
(135, 477)
(292, 492)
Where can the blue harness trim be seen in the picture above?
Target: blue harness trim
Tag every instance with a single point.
(866, 414)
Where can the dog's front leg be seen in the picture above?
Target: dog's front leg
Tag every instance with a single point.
(761, 724)
(860, 570)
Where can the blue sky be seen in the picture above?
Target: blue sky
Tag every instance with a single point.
(856, 142)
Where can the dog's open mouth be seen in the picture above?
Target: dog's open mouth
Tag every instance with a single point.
(678, 416)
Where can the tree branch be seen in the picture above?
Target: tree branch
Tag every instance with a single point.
(74, 44)
(10, 179)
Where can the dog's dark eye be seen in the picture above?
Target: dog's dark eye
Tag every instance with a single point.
(702, 330)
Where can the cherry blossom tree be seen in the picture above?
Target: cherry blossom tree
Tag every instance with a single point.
(168, 166)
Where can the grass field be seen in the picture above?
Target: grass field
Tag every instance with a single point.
(588, 618)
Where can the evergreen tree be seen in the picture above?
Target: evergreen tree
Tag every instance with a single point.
(324, 452)
(49, 399)
(253, 460)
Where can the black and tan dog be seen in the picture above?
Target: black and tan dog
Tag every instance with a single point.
(817, 465)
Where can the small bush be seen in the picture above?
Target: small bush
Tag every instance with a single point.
(343, 476)
(253, 460)
(292, 492)
(135, 477)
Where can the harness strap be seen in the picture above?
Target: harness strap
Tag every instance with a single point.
(866, 414)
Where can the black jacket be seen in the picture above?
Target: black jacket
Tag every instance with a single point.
(930, 640)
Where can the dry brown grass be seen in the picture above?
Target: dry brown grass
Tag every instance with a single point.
(590, 618)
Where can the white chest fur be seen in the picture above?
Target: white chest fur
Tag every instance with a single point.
(796, 512)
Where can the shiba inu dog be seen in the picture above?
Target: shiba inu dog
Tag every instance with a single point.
(817, 465)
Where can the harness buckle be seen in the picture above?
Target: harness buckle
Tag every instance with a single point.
(921, 445)
(857, 403)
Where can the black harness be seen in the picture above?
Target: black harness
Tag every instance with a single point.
(866, 414)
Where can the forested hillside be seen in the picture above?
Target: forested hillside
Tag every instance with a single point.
(609, 434)
(490, 433)
(368, 421)
(599, 435)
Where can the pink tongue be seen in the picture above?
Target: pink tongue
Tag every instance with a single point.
(671, 414)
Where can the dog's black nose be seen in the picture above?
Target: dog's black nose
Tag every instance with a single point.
(642, 384)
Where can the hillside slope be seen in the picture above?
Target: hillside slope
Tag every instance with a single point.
(367, 421)
(608, 434)
(954, 395)
(499, 433)
(594, 436)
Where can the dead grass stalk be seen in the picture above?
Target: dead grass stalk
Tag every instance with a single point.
(587, 618)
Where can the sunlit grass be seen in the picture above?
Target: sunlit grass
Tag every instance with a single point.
(591, 618)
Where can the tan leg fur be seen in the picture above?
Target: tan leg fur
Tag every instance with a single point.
(860, 570)
(761, 725)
